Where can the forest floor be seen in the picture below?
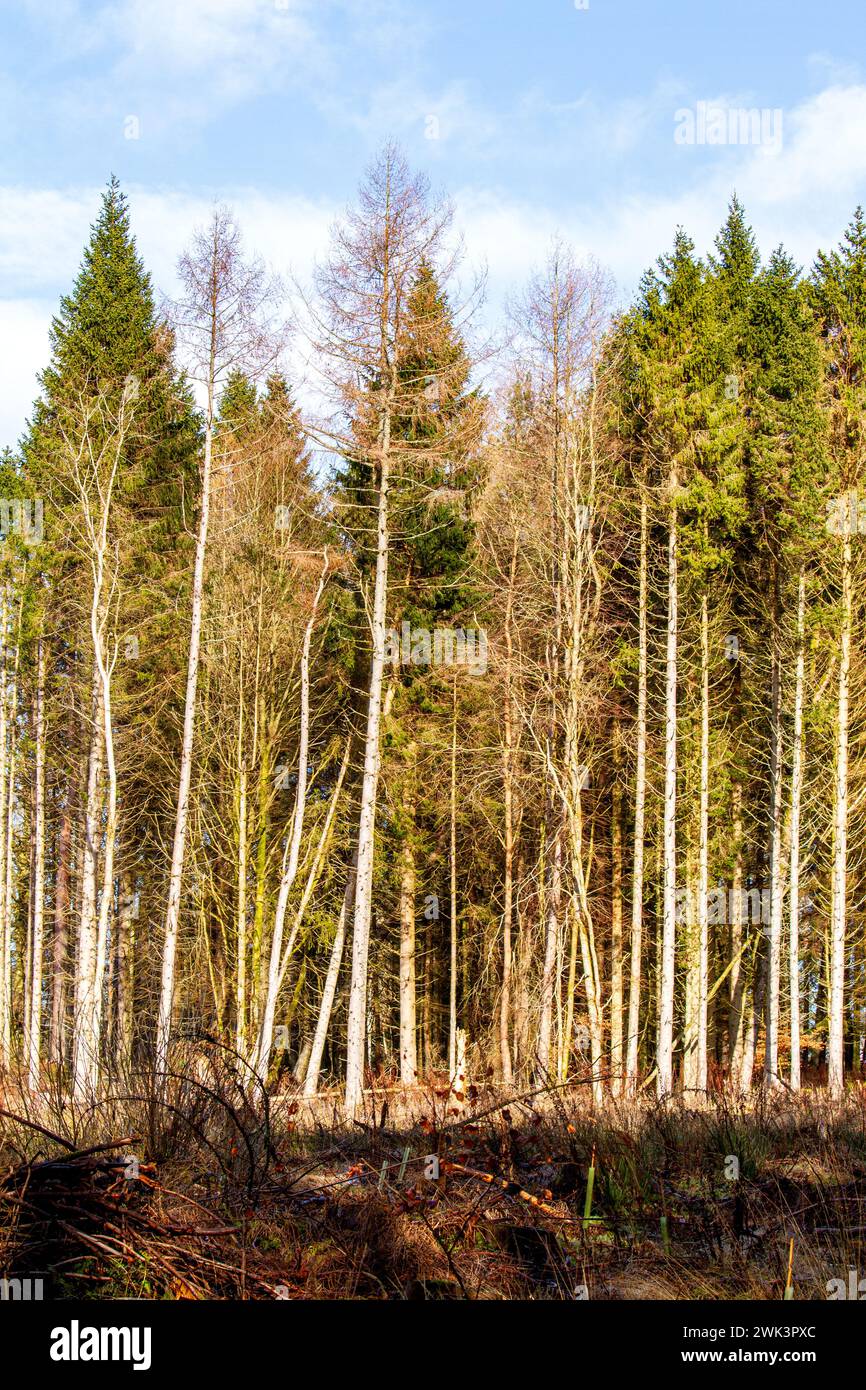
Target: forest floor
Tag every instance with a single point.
(213, 1193)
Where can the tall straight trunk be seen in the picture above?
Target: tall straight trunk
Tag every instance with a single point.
(691, 954)
(796, 805)
(60, 945)
(5, 951)
(241, 934)
(774, 944)
(508, 830)
(25, 955)
(578, 617)
(570, 986)
(752, 1019)
(110, 844)
(616, 966)
(452, 916)
(703, 855)
(838, 908)
(362, 918)
(257, 957)
(260, 1057)
(7, 811)
(664, 1053)
(314, 1065)
(738, 976)
(34, 1044)
(551, 865)
(57, 1032)
(408, 1047)
(84, 1044)
(634, 984)
(178, 851)
(125, 958)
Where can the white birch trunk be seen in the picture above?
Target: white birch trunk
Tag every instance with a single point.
(84, 1044)
(838, 909)
(172, 916)
(356, 1026)
(774, 946)
(664, 1056)
(452, 853)
(260, 1057)
(34, 1042)
(408, 1000)
(703, 856)
(5, 947)
(796, 806)
(314, 1066)
(634, 984)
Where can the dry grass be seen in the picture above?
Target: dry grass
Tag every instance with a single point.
(240, 1195)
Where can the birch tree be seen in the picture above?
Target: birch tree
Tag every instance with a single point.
(225, 323)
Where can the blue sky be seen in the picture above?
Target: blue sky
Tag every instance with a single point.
(538, 118)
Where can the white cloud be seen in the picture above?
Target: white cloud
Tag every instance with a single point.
(802, 194)
(42, 235)
(24, 325)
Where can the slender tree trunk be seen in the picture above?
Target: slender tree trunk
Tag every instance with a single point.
(314, 1066)
(125, 958)
(664, 1060)
(408, 1049)
(738, 976)
(356, 1027)
(634, 987)
(5, 949)
(175, 883)
(7, 810)
(452, 923)
(84, 1044)
(838, 908)
(552, 908)
(616, 966)
(703, 855)
(107, 899)
(508, 830)
(241, 991)
(60, 938)
(774, 945)
(796, 805)
(260, 1058)
(34, 1049)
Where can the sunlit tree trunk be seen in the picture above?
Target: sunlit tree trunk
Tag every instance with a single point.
(774, 943)
(838, 907)
(796, 807)
(634, 992)
(616, 967)
(664, 1054)
(34, 1048)
(505, 1060)
(408, 1022)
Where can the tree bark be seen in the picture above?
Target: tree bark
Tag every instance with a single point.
(34, 1048)
(838, 908)
(639, 817)
(664, 1058)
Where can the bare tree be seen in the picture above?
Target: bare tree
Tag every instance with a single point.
(363, 292)
(224, 323)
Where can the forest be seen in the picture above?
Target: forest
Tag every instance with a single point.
(425, 739)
